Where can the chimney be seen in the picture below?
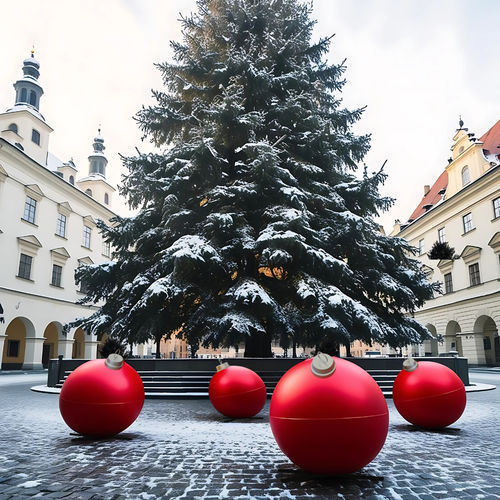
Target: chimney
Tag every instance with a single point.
(427, 188)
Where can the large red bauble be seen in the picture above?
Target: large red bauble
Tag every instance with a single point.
(101, 397)
(237, 392)
(329, 423)
(430, 395)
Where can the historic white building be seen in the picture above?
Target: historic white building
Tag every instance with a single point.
(463, 209)
(47, 229)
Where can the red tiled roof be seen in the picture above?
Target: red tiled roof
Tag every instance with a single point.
(491, 143)
(432, 197)
(491, 139)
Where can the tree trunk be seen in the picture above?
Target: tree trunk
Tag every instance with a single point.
(258, 346)
(348, 350)
(294, 349)
(158, 342)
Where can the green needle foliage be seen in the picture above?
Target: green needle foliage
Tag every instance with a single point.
(253, 226)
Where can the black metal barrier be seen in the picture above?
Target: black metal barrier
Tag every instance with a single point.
(59, 367)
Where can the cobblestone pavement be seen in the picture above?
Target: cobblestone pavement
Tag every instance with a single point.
(184, 449)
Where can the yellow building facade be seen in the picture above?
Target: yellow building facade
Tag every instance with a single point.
(462, 208)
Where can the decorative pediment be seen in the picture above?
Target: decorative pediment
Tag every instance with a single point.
(64, 208)
(470, 253)
(427, 270)
(60, 253)
(89, 221)
(29, 244)
(495, 242)
(3, 174)
(445, 265)
(34, 191)
(85, 261)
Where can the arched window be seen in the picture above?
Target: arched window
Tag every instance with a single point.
(465, 176)
(71, 180)
(89, 192)
(24, 95)
(106, 198)
(13, 127)
(32, 98)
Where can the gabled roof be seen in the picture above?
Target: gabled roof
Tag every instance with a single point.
(432, 197)
(491, 140)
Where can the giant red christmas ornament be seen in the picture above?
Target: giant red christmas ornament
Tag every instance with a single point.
(428, 394)
(101, 397)
(236, 391)
(329, 416)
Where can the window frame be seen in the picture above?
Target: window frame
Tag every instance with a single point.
(29, 214)
(469, 224)
(60, 223)
(441, 231)
(496, 208)
(86, 236)
(35, 136)
(421, 246)
(106, 249)
(448, 283)
(26, 263)
(474, 274)
(56, 279)
(467, 180)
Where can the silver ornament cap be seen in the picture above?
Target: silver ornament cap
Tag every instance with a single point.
(323, 365)
(114, 361)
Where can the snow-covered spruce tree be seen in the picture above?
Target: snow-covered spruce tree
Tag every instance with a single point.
(252, 224)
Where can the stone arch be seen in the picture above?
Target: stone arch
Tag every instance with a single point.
(486, 327)
(15, 344)
(52, 334)
(431, 346)
(452, 340)
(79, 344)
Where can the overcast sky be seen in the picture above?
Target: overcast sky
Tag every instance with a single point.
(415, 65)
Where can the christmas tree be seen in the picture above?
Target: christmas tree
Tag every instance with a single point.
(253, 225)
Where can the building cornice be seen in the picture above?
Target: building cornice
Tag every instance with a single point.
(53, 177)
(437, 210)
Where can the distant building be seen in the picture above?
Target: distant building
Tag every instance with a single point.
(462, 208)
(47, 229)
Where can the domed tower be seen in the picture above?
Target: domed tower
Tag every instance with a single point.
(95, 184)
(97, 160)
(23, 125)
(28, 90)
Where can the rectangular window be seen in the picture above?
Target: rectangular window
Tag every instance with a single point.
(106, 248)
(496, 207)
(84, 287)
(468, 225)
(13, 348)
(29, 209)
(61, 225)
(25, 266)
(421, 247)
(56, 275)
(441, 235)
(474, 277)
(35, 136)
(86, 236)
(448, 283)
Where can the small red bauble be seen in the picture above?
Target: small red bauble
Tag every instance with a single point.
(428, 394)
(329, 416)
(101, 397)
(236, 391)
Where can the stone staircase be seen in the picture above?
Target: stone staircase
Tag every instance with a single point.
(192, 383)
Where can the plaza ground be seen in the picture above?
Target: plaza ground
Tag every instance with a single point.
(185, 449)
